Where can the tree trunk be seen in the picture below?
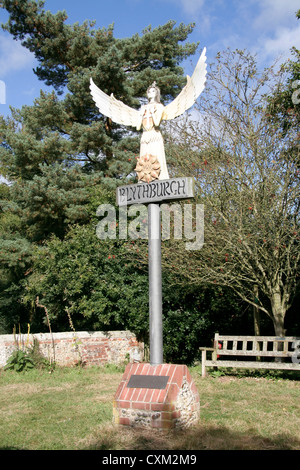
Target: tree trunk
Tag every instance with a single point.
(256, 313)
(256, 318)
(278, 313)
(279, 326)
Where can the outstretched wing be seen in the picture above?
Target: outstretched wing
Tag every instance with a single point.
(114, 109)
(191, 91)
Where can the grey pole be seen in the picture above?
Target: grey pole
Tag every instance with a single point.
(155, 284)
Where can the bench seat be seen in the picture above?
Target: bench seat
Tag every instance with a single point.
(284, 351)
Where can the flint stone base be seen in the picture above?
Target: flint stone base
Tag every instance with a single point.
(177, 405)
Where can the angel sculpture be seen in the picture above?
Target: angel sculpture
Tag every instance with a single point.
(151, 163)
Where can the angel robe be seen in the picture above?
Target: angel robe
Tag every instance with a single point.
(151, 141)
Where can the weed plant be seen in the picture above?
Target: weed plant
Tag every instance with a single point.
(27, 359)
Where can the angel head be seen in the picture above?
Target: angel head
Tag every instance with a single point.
(153, 93)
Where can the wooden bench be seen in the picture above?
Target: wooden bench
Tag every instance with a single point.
(286, 350)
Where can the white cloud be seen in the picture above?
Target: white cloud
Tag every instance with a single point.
(192, 6)
(267, 28)
(282, 43)
(275, 13)
(277, 27)
(13, 56)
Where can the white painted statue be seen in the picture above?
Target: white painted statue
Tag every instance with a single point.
(151, 163)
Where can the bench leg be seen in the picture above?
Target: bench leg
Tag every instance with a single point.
(203, 359)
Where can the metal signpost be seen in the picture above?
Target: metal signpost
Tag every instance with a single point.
(155, 284)
(153, 194)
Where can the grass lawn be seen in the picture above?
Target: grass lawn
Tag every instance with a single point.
(71, 409)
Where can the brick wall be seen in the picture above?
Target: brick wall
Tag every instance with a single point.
(67, 349)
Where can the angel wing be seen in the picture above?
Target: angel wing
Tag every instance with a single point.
(112, 108)
(191, 91)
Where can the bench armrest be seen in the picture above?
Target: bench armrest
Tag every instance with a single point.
(203, 361)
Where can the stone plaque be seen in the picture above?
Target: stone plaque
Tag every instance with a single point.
(148, 381)
(156, 191)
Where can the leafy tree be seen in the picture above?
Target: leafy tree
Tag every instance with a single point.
(191, 317)
(88, 282)
(247, 176)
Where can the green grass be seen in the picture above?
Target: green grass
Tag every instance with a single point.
(71, 409)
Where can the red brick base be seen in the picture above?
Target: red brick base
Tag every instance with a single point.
(177, 405)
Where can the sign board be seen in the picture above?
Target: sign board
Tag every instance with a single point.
(156, 191)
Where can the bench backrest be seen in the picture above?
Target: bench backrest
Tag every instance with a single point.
(256, 345)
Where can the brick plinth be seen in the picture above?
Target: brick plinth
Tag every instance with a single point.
(175, 405)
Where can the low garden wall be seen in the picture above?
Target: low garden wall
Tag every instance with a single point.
(68, 349)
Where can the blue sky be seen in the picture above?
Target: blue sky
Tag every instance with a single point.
(268, 28)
